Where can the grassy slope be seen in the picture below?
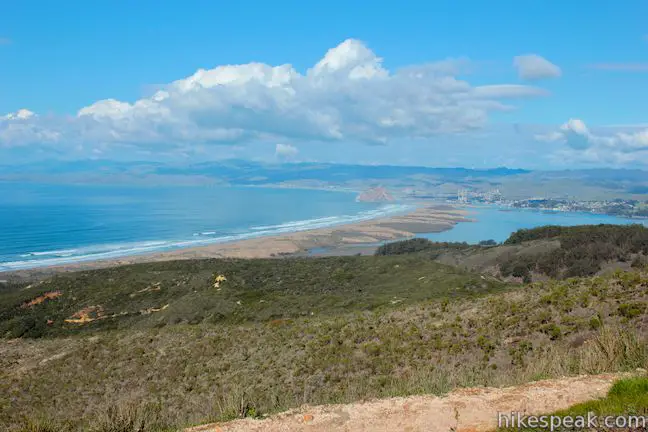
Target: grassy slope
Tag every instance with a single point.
(255, 291)
(626, 397)
(380, 326)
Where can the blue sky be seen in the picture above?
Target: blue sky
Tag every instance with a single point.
(472, 107)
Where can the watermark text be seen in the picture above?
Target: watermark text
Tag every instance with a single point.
(518, 420)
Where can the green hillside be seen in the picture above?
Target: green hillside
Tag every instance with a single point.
(279, 333)
(540, 253)
(159, 294)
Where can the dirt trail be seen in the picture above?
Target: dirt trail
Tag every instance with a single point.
(464, 410)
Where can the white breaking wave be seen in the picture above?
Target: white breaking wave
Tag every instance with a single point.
(336, 220)
(109, 251)
(296, 224)
(206, 233)
(62, 252)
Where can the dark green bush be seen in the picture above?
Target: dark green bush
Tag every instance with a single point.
(582, 252)
(418, 245)
(552, 330)
(631, 310)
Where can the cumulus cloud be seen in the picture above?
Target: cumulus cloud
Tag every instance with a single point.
(286, 151)
(622, 147)
(24, 127)
(576, 134)
(348, 95)
(21, 114)
(534, 67)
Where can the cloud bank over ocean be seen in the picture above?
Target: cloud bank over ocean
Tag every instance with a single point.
(348, 98)
(347, 95)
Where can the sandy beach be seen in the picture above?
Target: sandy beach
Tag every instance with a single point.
(361, 237)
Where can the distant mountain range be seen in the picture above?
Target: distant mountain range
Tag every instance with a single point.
(243, 172)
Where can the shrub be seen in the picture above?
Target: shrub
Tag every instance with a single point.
(404, 247)
(552, 330)
(615, 349)
(519, 352)
(418, 245)
(583, 267)
(44, 425)
(127, 417)
(582, 251)
(631, 310)
(595, 323)
(540, 233)
(638, 262)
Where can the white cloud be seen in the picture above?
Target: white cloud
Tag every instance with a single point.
(25, 127)
(21, 114)
(634, 141)
(576, 134)
(549, 137)
(286, 151)
(351, 58)
(619, 148)
(106, 108)
(534, 67)
(348, 95)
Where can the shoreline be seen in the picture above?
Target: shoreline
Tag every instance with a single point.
(343, 239)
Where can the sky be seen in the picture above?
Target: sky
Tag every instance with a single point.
(534, 84)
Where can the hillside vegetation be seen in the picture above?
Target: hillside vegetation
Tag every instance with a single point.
(243, 338)
(227, 292)
(420, 245)
(549, 251)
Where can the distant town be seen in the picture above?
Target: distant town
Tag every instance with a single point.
(615, 207)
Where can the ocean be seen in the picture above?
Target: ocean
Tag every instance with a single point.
(52, 224)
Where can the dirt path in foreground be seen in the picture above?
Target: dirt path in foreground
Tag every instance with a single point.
(463, 410)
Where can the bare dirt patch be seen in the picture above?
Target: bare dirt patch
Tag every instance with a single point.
(41, 299)
(470, 409)
(152, 310)
(86, 315)
(154, 287)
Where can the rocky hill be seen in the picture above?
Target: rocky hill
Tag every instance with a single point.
(377, 194)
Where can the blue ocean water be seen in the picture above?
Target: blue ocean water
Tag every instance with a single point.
(46, 224)
(498, 223)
